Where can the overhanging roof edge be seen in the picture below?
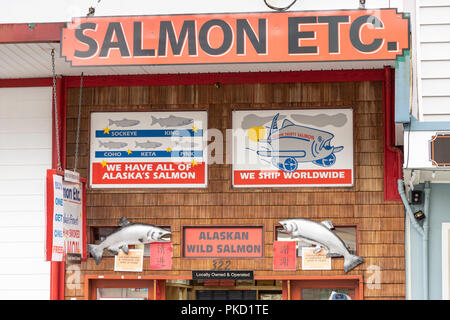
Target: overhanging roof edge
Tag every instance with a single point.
(30, 32)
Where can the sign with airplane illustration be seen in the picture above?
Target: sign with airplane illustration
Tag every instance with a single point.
(293, 148)
(148, 149)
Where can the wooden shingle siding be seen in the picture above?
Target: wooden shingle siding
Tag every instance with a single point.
(380, 225)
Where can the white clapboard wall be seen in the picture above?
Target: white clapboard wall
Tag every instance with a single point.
(25, 154)
(432, 32)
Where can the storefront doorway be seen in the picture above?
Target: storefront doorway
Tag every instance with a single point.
(121, 288)
(322, 289)
(237, 290)
(145, 288)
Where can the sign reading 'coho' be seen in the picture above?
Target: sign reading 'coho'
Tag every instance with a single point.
(345, 35)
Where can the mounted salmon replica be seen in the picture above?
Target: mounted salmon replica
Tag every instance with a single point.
(320, 235)
(128, 234)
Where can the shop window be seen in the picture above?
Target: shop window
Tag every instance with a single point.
(178, 289)
(324, 294)
(269, 295)
(99, 234)
(122, 293)
(325, 289)
(110, 287)
(348, 234)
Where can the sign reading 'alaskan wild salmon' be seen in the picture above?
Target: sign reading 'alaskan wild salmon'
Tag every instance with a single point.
(346, 35)
(223, 242)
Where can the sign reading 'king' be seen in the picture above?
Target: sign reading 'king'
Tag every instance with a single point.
(346, 35)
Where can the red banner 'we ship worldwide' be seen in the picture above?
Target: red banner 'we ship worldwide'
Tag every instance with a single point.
(148, 173)
(296, 178)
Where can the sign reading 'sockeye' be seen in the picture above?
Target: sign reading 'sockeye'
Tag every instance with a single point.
(236, 38)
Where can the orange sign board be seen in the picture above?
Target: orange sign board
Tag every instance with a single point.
(223, 242)
(160, 256)
(345, 35)
(284, 255)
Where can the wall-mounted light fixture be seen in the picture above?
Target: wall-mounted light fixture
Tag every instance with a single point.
(416, 197)
(419, 215)
(279, 8)
(91, 10)
(362, 4)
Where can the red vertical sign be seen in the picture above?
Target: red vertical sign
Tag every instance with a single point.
(60, 222)
(161, 256)
(284, 255)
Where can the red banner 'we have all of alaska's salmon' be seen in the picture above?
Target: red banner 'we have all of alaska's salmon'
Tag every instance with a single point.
(148, 173)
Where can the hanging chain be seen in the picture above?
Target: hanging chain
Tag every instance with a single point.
(58, 153)
(78, 123)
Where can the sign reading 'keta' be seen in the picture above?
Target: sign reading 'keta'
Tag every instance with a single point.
(345, 35)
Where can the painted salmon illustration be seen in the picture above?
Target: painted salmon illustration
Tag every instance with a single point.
(124, 122)
(172, 121)
(113, 144)
(148, 144)
(291, 144)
